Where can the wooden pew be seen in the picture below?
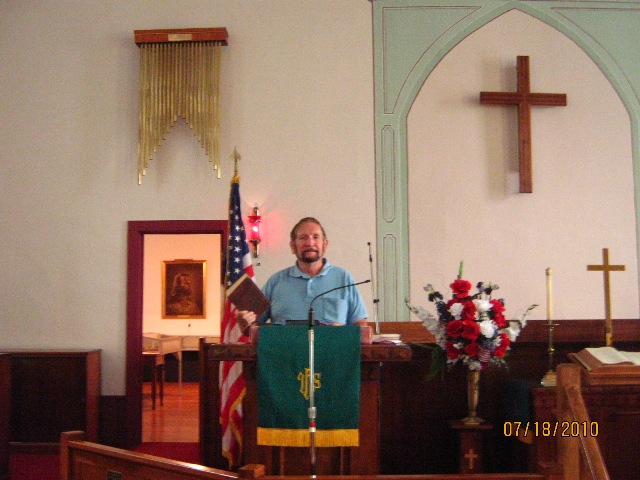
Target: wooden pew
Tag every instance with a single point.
(82, 460)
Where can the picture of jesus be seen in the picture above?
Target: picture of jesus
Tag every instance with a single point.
(183, 289)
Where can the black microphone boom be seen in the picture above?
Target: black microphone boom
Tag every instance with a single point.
(311, 319)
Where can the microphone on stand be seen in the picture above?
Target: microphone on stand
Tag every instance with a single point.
(376, 300)
(312, 406)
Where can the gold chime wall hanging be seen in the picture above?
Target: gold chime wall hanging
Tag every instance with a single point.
(179, 77)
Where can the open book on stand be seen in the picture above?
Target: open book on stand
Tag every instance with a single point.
(246, 295)
(608, 365)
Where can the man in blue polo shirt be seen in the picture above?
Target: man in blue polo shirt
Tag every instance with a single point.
(291, 290)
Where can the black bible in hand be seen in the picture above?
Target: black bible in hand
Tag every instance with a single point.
(246, 295)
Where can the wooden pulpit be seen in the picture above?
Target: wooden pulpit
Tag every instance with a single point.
(361, 460)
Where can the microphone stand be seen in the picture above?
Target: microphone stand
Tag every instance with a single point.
(312, 406)
(376, 300)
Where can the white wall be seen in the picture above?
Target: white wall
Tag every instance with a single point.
(463, 177)
(297, 101)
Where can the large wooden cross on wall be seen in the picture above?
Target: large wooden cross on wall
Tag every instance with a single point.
(524, 99)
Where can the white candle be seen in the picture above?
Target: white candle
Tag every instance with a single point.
(549, 315)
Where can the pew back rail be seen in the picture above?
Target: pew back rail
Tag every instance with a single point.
(81, 460)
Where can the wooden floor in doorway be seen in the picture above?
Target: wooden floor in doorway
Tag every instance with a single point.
(176, 420)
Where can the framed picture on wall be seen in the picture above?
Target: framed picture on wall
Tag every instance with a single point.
(184, 293)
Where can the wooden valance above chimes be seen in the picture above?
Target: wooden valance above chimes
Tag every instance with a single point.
(179, 77)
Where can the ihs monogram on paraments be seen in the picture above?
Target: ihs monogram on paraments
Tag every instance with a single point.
(303, 377)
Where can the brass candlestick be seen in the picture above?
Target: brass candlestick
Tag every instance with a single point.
(549, 379)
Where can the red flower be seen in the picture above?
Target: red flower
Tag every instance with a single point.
(497, 306)
(460, 288)
(498, 309)
(469, 311)
(472, 349)
(501, 349)
(500, 321)
(471, 330)
(455, 328)
(452, 351)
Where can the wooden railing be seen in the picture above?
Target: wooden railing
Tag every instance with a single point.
(579, 454)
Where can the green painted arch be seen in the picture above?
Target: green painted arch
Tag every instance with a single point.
(395, 97)
(582, 39)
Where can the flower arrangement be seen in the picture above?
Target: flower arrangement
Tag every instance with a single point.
(470, 328)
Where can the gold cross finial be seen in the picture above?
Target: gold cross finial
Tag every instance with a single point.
(236, 156)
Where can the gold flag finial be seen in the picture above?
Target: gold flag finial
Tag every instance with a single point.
(236, 156)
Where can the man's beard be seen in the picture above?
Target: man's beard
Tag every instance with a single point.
(312, 259)
(183, 291)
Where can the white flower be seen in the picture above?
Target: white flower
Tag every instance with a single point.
(456, 310)
(474, 365)
(432, 325)
(424, 315)
(514, 330)
(482, 305)
(488, 328)
(522, 318)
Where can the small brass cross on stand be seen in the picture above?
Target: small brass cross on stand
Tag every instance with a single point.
(605, 268)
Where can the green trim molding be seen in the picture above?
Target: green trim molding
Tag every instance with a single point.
(412, 36)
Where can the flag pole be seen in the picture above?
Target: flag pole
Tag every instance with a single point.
(232, 381)
(236, 156)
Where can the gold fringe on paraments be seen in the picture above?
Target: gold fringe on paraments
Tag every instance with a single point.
(284, 437)
(179, 79)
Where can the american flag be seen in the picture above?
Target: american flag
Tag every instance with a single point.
(232, 383)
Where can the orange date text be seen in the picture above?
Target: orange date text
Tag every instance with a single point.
(551, 429)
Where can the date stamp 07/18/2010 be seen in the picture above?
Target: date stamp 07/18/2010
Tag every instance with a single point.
(550, 429)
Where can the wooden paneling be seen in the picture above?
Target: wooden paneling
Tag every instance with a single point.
(5, 414)
(51, 392)
(415, 431)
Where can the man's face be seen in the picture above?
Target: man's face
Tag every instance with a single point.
(309, 245)
(184, 284)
